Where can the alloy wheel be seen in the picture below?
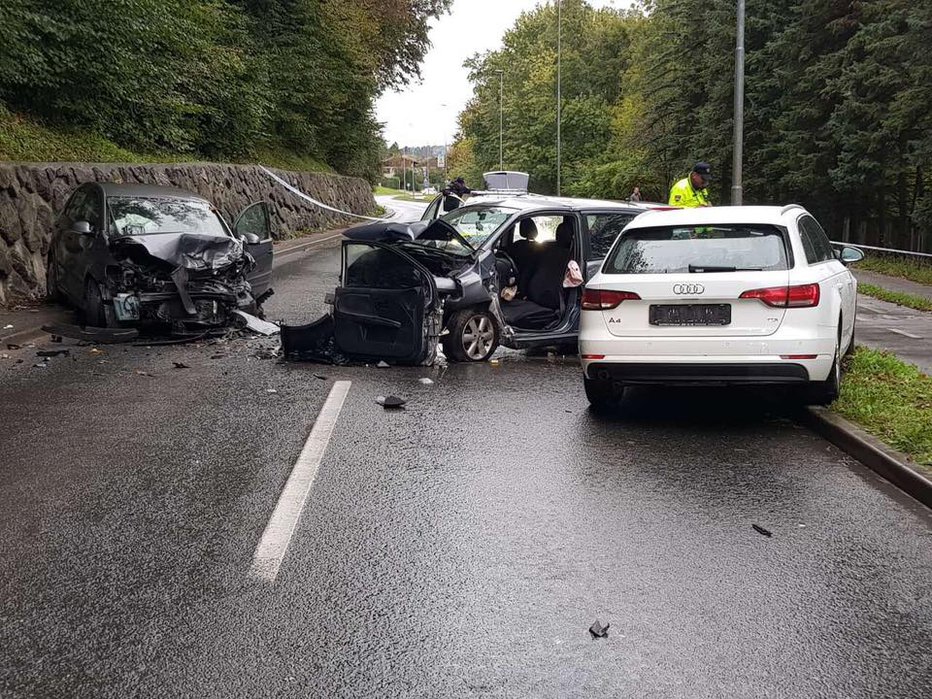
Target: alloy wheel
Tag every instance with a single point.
(478, 337)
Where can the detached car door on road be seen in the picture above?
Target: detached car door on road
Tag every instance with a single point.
(387, 306)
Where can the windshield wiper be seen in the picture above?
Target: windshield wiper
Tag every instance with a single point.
(704, 269)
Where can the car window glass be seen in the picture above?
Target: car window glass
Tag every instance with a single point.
(820, 241)
(721, 248)
(477, 223)
(254, 220)
(157, 215)
(90, 210)
(808, 246)
(73, 210)
(370, 267)
(603, 229)
(431, 212)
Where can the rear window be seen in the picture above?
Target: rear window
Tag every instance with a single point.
(730, 248)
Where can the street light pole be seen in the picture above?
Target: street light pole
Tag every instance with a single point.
(559, 95)
(737, 193)
(501, 119)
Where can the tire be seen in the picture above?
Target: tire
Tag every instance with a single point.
(473, 336)
(825, 392)
(601, 394)
(97, 313)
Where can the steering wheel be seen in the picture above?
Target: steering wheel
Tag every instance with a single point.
(501, 254)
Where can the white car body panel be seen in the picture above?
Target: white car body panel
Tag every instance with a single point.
(758, 334)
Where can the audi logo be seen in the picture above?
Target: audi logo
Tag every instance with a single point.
(688, 289)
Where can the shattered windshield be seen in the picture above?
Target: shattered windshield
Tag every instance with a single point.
(131, 216)
(477, 223)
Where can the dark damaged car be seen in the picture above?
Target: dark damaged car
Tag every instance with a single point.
(486, 273)
(156, 256)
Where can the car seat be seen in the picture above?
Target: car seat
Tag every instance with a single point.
(544, 302)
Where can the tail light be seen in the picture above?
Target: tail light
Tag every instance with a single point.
(605, 299)
(800, 296)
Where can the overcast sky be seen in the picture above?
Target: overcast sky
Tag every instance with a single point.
(417, 116)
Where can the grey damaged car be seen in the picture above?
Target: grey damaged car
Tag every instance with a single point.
(406, 287)
(141, 255)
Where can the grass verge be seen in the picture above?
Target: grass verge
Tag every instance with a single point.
(25, 140)
(898, 297)
(890, 399)
(896, 267)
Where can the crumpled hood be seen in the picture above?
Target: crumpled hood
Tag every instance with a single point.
(191, 251)
(388, 231)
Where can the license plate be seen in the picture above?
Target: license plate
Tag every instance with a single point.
(691, 314)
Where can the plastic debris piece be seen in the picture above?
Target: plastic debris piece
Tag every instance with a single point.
(391, 402)
(53, 353)
(180, 365)
(142, 373)
(8, 326)
(383, 365)
(760, 530)
(598, 630)
(320, 376)
(40, 365)
(217, 356)
(11, 346)
(271, 390)
(257, 325)
(494, 362)
(4, 356)
(95, 350)
(426, 381)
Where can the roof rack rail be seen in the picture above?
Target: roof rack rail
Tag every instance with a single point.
(790, 207)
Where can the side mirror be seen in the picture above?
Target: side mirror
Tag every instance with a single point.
(82, 228)
(250, 238)
(850, 255)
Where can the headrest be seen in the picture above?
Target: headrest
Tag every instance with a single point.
(564, 234)
(528, 229)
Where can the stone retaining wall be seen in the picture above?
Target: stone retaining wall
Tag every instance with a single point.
(33, 194)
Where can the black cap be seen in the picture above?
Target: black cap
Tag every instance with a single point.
(703, 169)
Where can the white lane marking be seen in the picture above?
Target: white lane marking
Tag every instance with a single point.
(905, 334)
(278, 532)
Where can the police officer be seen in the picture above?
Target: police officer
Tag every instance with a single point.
(454, 193)
(690, 192)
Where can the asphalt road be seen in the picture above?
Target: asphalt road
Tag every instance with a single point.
(461, 547)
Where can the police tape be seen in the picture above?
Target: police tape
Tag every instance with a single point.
(302, 195)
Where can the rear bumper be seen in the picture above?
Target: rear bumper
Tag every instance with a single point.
(698, 372)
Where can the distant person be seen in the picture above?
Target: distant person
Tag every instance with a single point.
(635, 195)
(691, 192)
(454, 193)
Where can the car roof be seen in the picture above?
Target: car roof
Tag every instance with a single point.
(711, 215)
(120, 189)
(530, 202)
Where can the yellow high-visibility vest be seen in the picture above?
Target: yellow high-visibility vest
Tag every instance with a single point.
(683, 194)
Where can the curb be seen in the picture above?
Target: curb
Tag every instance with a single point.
(871, 452)
(23, 337)
(305, 244)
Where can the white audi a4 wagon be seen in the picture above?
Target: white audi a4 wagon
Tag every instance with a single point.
(719, 296)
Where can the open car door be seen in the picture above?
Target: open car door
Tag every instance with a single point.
(254, 227)
(387, 305)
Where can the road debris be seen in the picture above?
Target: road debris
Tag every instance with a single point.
(53, 353)
(8, 326)
(95, 350)
(266, 353)
(180, 365)
(11, 346)
(495, 362)
(383, 365)
(103, 336)
(257, 325)
(271, 390)
(760, 530)
(320, 376)
(140, 372)
(426, 381)
(598, 630)
(391, 402)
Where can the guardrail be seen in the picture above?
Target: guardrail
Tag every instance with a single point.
(919, 257)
